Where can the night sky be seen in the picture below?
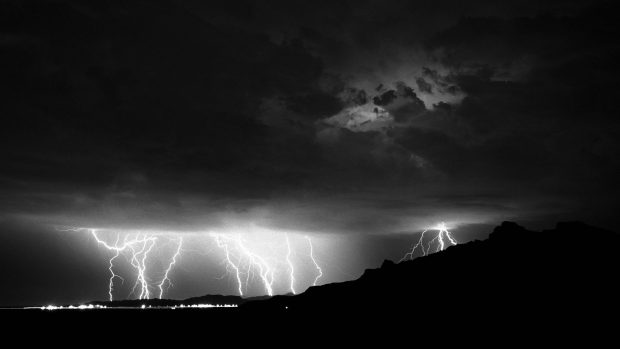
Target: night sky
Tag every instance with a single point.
(357, 123)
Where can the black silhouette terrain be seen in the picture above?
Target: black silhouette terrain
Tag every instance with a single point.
(568, 273)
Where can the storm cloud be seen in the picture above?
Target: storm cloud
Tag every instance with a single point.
(347, 117)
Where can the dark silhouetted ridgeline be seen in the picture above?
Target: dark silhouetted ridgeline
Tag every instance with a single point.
(569, 273)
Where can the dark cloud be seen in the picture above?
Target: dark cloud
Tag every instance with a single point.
(409, 104)
(385, 98)
(186, 106)
(424, 86)
(317, 105)
(171, 93)
(354, 96)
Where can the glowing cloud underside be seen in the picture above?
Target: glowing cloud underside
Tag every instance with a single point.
(439, 240)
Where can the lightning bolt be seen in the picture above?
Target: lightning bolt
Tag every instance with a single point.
(117, 251)
(172, 263)
(138, 249)
(316, 265)
(440, 238)
(265, 270)
(253, 260)
(244, 261)
(111, 268)
(224, 245)
(409, 255)
(138, 261)
(290, 264)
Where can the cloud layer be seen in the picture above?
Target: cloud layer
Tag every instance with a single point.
(360, 116)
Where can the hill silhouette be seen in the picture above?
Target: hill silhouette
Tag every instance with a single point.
(561, 274)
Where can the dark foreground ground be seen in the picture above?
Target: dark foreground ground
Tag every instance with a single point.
(560, 284)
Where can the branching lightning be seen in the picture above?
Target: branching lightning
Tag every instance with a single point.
(172, 263)
(409, 255)
(245, 262)
(245, 256)
(224, 245)
(440, 239)
(262, 261)
(138, 261)
(137, 249)
(290, 264)
(316, 265)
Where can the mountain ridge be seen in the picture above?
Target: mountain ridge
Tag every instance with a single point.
(514, 271)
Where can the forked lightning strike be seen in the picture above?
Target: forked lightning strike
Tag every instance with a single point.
(316, 265)
(140, 265)
(440, 238)
(230, 263)
(242, 260)
(290, 264)
(138, 249)
(245, 256)
(172, 263)
(111, 269)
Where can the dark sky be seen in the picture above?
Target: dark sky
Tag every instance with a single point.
(328, 117)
